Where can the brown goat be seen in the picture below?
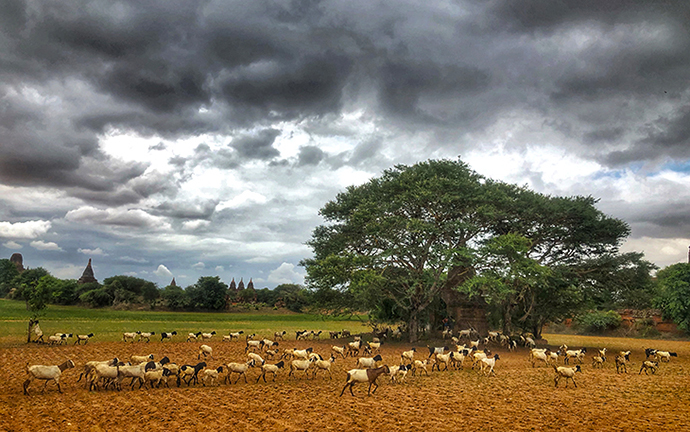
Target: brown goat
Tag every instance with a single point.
(364, 375)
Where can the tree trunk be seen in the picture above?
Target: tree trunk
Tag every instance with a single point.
(31, 325)
(413, 326)
(507, 320)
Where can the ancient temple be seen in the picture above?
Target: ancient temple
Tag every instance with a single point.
(87, 276)
(18, 261)
(173, 283)
(233, 286)
(240, 286)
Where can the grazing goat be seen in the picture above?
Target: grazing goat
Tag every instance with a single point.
(272, 368)
(131, 336)
(193, 336)
(169, 336)
(236, 335)
(83, 338)
(567, 373)
(279, 335)
(146, 335)
(649, 365)
(489, 363)
(368, 362)
(46, 373)
(622, 362)
(399, 371)
(205, 350)
(436, 350)
(324, 365)
(240, 369)
(300, 365)
(407, 356)
(661, 356)
(339, 350)
(211, 375)
(364, 375)
(191, 373)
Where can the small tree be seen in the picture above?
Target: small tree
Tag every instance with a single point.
(37, 297)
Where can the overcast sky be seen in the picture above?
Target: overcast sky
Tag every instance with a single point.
(191, 138)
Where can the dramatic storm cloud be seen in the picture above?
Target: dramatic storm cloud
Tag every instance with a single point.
(172, 138)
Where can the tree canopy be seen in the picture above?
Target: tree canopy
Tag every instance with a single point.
(399, 240)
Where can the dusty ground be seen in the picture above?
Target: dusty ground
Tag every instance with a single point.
(517, 398)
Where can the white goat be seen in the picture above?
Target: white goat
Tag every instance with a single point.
(46, 373)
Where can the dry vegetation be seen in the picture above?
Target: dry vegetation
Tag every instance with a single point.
(517, 398)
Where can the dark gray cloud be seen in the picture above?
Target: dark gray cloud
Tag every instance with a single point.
(257, 146)
(182, 210)
(310, 155)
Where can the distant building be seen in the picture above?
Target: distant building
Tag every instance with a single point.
(173, 283)
(240, 286)
(87, 276)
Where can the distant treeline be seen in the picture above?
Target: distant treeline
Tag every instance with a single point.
(209, 293)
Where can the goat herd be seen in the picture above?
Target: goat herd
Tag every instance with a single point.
(145, 371)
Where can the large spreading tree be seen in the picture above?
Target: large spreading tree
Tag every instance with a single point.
(398, 241)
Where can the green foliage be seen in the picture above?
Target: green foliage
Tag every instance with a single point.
(38, 294)
(8, 276)
(175, 298)
(417, 231)
(208, 293)
(295, 297)
(65, 292)
(598, 321)
(96, 298)
(674, 294)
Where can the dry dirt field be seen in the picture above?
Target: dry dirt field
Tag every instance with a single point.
(517, 398)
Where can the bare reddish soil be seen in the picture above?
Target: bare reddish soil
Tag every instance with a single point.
(517, 398)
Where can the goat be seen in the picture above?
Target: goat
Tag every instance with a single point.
(191, 372)
(272, 368)
(193, 336)
(300, 365)
(84, 338)
(436, 350)
(567, 373)
(279, 335)
(324, 365)
(660, 356)
(240, 369)
(205, 350)
(364, 375)
(165, 335)
(339, 350)
(46, 373)
(146, 336)
(622, 362)
(211, 375)
(129, 336)
(489, 363)
(407, 356)
(649, 365)
(367, 362)
(395, 371)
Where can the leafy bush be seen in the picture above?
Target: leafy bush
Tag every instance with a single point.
(598, 321)
(97, 298)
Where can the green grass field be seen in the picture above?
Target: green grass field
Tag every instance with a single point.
(108, 324)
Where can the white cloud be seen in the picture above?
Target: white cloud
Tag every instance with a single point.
(163, 271)
(131, 218)
(199, 265)
(69, 271)
(244, 199)
(25, 230)
(133, 260)
(195, 224)
(134, 274)
(41, 245)
(220, 268)
(285, 273)
(662, 252)
(12, 245)
(96, 251)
